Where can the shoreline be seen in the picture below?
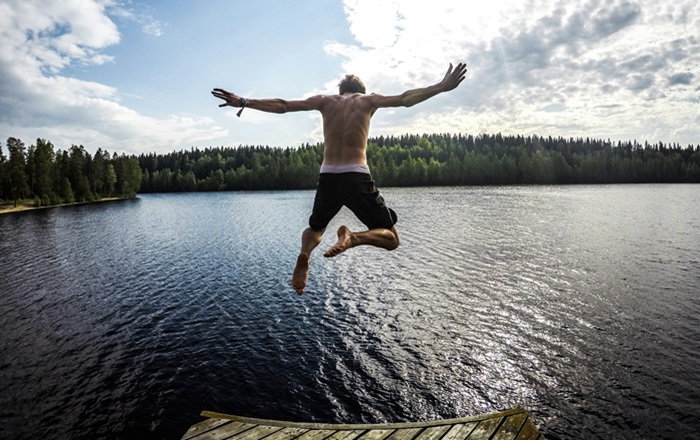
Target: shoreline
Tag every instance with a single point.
(22, 207)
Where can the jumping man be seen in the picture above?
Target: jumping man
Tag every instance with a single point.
(345, 179)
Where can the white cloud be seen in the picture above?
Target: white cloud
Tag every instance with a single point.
(624, 69)
(618, 68)
(43, 37)
(152, 27)
(137, 13)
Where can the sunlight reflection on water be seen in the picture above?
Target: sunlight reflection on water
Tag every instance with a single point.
(573, 302)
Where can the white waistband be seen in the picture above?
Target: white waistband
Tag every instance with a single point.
(347, 168)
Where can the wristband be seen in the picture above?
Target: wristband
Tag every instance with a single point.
(245, 102)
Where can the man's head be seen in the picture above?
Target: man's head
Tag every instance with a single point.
(351, 84)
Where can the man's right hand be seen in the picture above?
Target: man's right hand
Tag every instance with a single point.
(232, 100)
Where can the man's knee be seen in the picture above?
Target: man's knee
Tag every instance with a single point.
(313, 234)
(395, 242)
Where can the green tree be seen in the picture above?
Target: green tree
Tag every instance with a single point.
(98, 173)
(426, 160)
(120, 170)
(60, 172)
(110, 180)
(78, 172)
(434, 174)
(508, 170)
(30, 170)
(17, 170)
(4, 176)
(43, 170)
(133, 176)
(67, 191)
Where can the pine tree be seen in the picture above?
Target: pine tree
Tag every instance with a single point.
(17, 170)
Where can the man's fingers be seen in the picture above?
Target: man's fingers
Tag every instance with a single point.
(460, 71)
(223, 94)
(226, 96)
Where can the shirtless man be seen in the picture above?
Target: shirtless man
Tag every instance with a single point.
(345, 178)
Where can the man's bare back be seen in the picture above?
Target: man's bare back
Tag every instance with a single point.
(345, 128)
(346, 119)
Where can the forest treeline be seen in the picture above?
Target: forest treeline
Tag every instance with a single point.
(51, 177)
(438, 159)
(47, 177)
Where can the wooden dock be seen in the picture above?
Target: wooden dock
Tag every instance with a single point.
(512, 424)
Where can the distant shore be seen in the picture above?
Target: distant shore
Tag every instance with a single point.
(9, 208)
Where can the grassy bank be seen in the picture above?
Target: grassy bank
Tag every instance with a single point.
(26, 205)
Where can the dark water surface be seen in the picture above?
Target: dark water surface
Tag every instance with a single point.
(581, 304)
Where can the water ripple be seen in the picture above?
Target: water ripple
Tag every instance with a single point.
(577, 303)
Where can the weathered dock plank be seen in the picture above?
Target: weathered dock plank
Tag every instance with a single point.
(226, 431)
(287, 434)
(404, 434)
(316, 434)
(460, 431)
(511, 427)
(203, 426)
(346, 435)
(529, 431)
(258, 432)
(435, 433)
(514, 424)
(376, 434)
(485, 428)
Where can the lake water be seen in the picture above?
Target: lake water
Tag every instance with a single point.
(580, 303)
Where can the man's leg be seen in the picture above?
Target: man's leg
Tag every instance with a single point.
(384, 238)
(310, 238)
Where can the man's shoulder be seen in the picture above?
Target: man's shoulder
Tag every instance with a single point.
(348, 99)
(359, 98)
(327, 98)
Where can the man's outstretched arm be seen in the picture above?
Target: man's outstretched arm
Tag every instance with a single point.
(452, 79)
(268, 105)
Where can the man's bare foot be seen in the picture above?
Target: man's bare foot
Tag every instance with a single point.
(345, 242)
(301, 272)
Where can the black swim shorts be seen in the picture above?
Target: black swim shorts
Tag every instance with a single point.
(356, 191)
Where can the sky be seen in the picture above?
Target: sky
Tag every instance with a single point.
(135, 77)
